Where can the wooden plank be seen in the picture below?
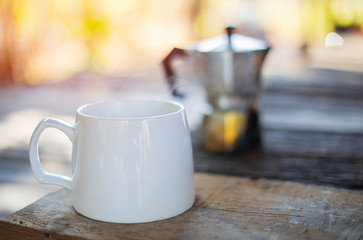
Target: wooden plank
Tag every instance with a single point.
(225, 208)
(309, 157)
(313, 144)
(345, 174)
(317, 82)
(288, 111)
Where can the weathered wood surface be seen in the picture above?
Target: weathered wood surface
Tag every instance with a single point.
(308, 157)
(312, 131)
(225, 208)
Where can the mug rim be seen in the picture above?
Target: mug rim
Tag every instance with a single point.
(81, 109)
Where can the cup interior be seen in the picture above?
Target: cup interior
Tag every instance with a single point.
(130, 109)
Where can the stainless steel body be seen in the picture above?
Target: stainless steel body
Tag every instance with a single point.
(229, 67)
(234, 74)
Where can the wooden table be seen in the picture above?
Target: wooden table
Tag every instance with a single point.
(225, 208)
(312, 131)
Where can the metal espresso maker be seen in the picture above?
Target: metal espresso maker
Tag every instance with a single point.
(228, 67)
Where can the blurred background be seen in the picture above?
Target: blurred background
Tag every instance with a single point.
(51, 40)
(56, 55)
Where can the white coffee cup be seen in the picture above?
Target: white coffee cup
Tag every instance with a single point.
(132, 160)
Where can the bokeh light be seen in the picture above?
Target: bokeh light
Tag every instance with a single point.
(52, 40)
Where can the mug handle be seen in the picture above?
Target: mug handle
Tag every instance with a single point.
(41, 175)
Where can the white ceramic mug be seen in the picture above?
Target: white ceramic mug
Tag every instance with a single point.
(132, 160)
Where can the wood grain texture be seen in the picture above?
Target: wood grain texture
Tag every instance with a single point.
(225, 208)
(308, 157)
